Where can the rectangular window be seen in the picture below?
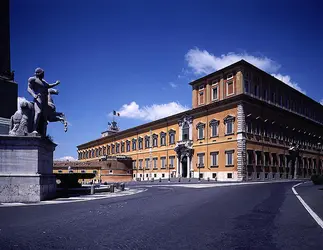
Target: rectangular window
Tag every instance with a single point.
(155, 141)
(214, 159)
(201, 97)
(200, 158)
(118, 148)
(273, 97)
(229, 127)
(140, 144)
(171, 138)
(128, 146)
(229, 158)
(229, 175)
(163, 175)
(147, 142)
(214, 130)
(134, 144)
(134, 164)
(122, 147)
(215, 93)
(230, 88)
(265, 95)
(200, 132)
(281, 101)
(246, 86)
(147, 163)
(155, 175)
(140, 164)
(214, 175)
(155, 163)
(171, 161)
(112, 149)
(163, 140)
(163, 162)
(256, 90)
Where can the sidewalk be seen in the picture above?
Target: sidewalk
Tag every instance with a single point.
(78, 198)
(313, 196)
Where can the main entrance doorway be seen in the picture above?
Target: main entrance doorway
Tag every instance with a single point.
(184, 167)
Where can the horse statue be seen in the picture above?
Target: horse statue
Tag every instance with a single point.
(33, 117)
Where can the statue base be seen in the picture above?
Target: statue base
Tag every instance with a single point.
(26, 169)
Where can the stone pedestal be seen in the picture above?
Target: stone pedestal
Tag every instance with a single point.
(26, 169)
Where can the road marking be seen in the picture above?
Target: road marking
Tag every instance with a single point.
(307, 207)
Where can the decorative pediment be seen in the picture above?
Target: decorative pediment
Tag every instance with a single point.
(200, 124)
(134, 139)
(162, 133)
(185, 119)
(171, 131)
(229, 118)
(155, 136)
(214, 122)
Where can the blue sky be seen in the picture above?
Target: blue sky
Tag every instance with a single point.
(138, 57)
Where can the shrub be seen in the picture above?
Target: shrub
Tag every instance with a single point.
(317, 179)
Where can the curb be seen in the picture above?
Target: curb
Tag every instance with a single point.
(82, 198)
(210, 185)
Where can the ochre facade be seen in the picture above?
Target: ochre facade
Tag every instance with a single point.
(242, 126)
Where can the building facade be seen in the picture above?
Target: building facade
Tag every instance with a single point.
(106, 169)
(244, 125)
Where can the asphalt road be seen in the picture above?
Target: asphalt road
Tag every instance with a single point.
(261, 216)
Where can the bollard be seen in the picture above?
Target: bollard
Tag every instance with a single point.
(179, 179)
(159, 179)
(122, 186)
(208, 178)
(92, 189)
(111, 188)
(189, 180)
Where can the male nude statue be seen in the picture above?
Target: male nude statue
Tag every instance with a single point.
(38, 88)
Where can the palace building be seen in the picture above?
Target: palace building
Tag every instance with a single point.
(244, 125)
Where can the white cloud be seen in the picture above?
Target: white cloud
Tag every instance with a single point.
(321, 101)
(203, 62)
(66, 158)
(150, 113)
(173, 85)
(287, 79)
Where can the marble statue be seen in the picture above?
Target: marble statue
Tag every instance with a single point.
(21, 122)
(33, 117)
(54, 116)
